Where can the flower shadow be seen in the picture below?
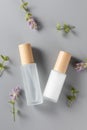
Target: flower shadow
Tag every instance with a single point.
(75, 60)
(39, 24)
(22, 114)
(21, 99)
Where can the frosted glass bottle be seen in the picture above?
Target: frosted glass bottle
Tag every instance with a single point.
(57, 77)
(30, 76)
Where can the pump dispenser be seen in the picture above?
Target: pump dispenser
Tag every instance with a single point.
(57, 77)
(30, 75)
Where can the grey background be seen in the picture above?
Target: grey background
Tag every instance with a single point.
(46, 43)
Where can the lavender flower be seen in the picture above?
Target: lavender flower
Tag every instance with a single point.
(80, 66)
(13, 98)
(15, 93)
(28, 16)
(32, 23)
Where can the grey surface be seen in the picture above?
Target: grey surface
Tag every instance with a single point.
(47, 43)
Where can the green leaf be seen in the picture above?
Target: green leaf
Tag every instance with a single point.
(58, 26)
(5, 58)
(24, 5)
(27, 16)
(70, 98)
(12, 102)
(74, 91)
(21, 6)
(1, 66)
(66, 28)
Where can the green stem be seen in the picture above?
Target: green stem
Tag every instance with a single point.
(25, 9)
(13, 111)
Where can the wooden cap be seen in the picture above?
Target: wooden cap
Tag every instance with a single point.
(62, 62)
(26, 54)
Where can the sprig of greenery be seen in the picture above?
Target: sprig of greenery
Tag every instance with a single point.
(14, 111)
(33, 24)
(2, 64)
(66, 28)
(24, 6)
(73, 95)
(14, 95)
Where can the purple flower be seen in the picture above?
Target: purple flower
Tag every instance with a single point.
(13, 98)
(15, 93)
(32, 23)
(80, 66)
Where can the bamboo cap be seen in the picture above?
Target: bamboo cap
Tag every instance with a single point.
(26, 54)
(62, 62)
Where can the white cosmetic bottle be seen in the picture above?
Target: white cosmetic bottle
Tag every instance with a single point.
(57, 77)
(30, 75)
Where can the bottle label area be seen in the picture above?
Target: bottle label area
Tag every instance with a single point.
(54, 85)
(31, 84)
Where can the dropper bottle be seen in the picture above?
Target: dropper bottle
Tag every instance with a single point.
(57, 77)
(30, 75)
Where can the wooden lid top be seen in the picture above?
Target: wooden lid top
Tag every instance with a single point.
(26, 54)
(62, 62)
